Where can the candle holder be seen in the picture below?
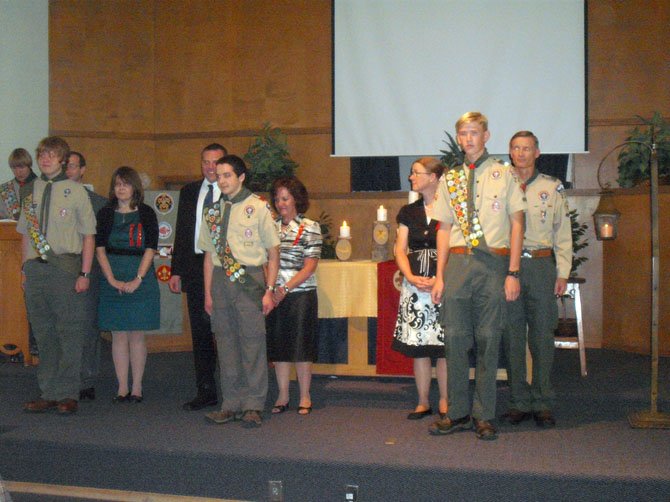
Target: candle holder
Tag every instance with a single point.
(380, 239)
(343, 248)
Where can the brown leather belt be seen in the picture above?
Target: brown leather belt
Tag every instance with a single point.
(536, 253)
(467, 250)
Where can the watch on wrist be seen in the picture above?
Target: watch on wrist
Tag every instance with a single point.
(270, 288)
(286, 290)
(85, 274)
(513, 273)
(140, 277)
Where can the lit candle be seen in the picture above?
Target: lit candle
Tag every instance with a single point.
(607, 231)
(345, 230)
(381, 213)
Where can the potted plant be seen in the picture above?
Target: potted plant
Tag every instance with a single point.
(454, 155)
(269, 159)
(634, 157)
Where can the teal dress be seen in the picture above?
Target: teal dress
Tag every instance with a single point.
(138, 311)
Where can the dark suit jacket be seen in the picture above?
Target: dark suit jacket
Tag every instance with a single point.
(185, 263)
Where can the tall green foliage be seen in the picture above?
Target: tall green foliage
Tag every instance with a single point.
(578, 231)
(634, 157)
(268, 158)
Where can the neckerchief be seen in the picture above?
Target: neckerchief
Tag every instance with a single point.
(46, 199)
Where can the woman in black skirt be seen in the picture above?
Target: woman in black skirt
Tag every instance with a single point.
(292, 326)
(418, 332)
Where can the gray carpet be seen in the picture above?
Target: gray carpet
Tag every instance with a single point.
(357, 434)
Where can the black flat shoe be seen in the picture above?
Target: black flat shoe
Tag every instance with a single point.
(135, 399)
(121, 399)
(304, 410)
(417, 415)
(87, 394)
(279, 408)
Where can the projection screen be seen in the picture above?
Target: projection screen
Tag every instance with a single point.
(405, 70)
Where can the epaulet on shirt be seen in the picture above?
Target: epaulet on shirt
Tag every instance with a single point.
(267, 203)
(559, 186)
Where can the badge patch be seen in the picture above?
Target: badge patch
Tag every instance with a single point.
(163, 203)
(163, 273)
(248, 233)
(164, 230)
(67, 192)
(249, 211)
(496, 174)
(63, 212)
(496, 205)
(544, 195)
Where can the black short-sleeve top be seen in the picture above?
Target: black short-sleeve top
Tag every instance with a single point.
(422, 236)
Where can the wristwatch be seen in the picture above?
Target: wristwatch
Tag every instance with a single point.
(270, 288)
(286, 290)
(513, 273)
(85, 274)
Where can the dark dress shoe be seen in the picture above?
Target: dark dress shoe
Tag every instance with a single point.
(87, 394)
(67, 406)
(135, 399)
(200, 402)
(39, 406)
(121, 399)
(417, 415)
(448, 425)
(544, 418)
(515, 417)
(485, 430)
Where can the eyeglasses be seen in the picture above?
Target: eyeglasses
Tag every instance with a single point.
(412, 173)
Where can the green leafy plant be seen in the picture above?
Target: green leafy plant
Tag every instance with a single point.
(453, 156)
(634, 157)
(578, 241)
(268, 158)
(328, 244)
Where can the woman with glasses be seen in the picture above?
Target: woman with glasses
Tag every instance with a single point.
(418, 333)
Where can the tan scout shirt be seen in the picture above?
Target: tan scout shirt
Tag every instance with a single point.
(498, 196)
(547, 221)
(251, 232)
(71, 216)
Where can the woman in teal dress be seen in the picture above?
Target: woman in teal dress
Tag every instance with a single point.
(129, 305)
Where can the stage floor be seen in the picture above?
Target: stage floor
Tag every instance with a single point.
(357, 434)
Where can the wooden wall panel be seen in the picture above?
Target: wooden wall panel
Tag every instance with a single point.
(101, 67)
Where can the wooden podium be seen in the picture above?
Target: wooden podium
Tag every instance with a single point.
(13, 318)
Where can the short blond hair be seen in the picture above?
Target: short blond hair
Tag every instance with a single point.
(466, 118)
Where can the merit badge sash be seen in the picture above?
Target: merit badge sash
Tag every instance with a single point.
(8, 196)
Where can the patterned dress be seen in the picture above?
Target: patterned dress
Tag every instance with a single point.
(418, 332)
(293, 326)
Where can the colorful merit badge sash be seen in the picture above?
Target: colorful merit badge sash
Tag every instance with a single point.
(461, 187)
(217, 219)
(11, 201)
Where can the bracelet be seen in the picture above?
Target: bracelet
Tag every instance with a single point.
(139, 277)
(270, 288)
(513, 273)
(85, 275)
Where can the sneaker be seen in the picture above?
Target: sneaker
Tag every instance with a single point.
(448, 425)
(251, 419)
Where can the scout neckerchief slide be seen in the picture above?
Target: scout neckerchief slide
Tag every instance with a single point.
(8, 196)
(217, 223)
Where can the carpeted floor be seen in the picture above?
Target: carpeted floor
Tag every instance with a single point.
(356, 435)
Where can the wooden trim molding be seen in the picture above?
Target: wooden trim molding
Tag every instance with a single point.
(143, 136)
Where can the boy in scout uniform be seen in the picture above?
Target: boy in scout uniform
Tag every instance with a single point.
(480, 205)
(58, 227)
(543, 278)
(21, 164)
(239, 239)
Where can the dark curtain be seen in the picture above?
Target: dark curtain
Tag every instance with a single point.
(371, 174)
(554, 164)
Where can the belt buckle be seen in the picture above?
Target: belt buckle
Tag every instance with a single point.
(525, 253)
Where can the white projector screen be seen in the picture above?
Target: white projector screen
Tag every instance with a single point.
(405, 70)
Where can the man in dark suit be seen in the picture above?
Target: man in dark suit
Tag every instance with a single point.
(187, 274)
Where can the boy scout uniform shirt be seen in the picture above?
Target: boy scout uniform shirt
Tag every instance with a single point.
(251, 232)
(498, 196)
(547, 221)
(71, 216)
